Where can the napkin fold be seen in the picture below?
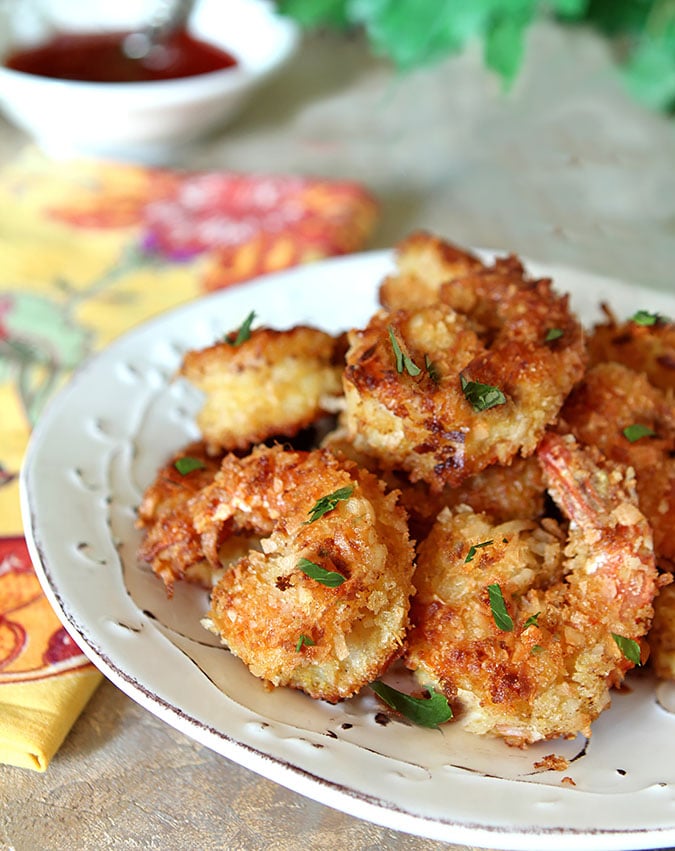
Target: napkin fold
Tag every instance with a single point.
(90, 249)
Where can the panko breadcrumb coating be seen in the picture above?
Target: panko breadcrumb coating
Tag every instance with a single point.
(171, 545)
(293, 630)
(418, 416)
(647, 348)
(272, 384)
(548, 674)
(424, 262)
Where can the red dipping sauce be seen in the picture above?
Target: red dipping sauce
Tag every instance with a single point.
(99, 58)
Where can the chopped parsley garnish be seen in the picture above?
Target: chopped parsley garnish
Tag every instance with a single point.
(481, 396)
(644, 317)
(329, 578)
(473, 548)
(629, 648)
(532, 621)
(304, 641)
(327, 503)
(187, 464)
(502, 618)
(636, 431)
(553, 334)
(244, 332)
(425, 712)
(432, 369)
(536, 648)
(402, 360)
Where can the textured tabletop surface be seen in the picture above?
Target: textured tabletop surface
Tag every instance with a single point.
(566, 169)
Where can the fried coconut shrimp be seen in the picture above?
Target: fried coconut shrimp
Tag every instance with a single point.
(648, 348)
(543, 666)
(171, 545)
(324, 607)
(424, 262)
(604, 410)
(443, 395)
(662, 635)
(274, 383)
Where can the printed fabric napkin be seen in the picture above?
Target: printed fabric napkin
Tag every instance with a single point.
(88, 250)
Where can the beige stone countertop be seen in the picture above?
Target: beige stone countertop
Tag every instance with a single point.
(564, 169)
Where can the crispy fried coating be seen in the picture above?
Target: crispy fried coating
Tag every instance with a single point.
(424, 423)
(273, 384)
(424, 262)
(291, 629)
(171, 544)
(645, 348)
(549, 673)
(613, 397)
(662, 635)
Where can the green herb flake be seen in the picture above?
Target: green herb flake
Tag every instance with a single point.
(481, 396)
(432, 370)
(533, 620)
(327, 503)
(536, 649)
(473, 548)
(502, 617)
(644, 317)
(244, 332)
(329, 578)
(636, 431)
(402, 360)
(425, 712)
(553, 334)
(304, 641)
(629, 648)
(187, 464)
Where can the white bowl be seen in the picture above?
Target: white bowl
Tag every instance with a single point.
(148, 122)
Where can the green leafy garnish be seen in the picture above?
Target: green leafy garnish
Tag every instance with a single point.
(536, 648)
(553, 334)
(402, 359)
(187, 464)
(472, 550)
(425, 712)
(432, 369)
(629, 648)
(481, 396)
(327, 503)
(305, 641)
(532, 621)
(644, 317)
(636, 431)
(329, 578)
(244, 332)
(502, 618)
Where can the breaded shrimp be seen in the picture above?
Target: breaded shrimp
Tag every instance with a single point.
(424, 262)
(274, 383)
(648, 348)
(510, 492)
(171, 545)
(287, 626)
(662, 635)
(612, 398)
(421, 416)
(547, 672)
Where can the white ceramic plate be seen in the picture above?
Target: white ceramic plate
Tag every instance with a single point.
(91, 456)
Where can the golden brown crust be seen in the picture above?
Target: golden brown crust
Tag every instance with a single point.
(550, 678)
(423, 423)
(273, 384)
(610, 398)
(265, 605)
(644, 348)
(171, 544)
(424, 262)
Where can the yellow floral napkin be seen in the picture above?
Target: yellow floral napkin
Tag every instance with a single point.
(88, 250)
